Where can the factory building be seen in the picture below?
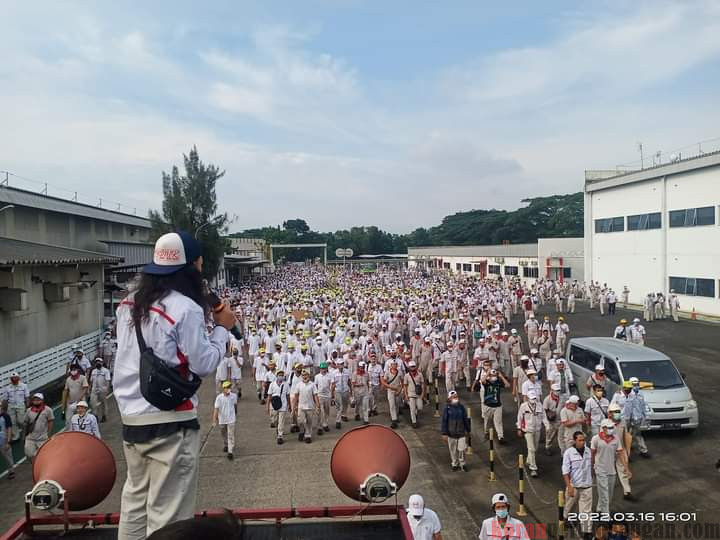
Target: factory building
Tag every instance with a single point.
(656, 230)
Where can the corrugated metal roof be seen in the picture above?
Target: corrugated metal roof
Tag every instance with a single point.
(21, 197)
(19, 252)
(508, 250)
(133, 254)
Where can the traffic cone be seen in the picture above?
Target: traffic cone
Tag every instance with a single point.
(693, 315)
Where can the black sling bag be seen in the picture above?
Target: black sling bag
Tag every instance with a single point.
(162, 385)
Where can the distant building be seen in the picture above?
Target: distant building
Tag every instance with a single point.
(55, 258)
(558, 259)
(656, 230)
(247, 258)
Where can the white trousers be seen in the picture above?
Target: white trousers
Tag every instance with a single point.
(305, 421)
(494, 415)
(457, 449)
(416, 404)
(227, 433)
(161, 483)
(532, 440)
(393, 398)
(605, 489)
(583, 497)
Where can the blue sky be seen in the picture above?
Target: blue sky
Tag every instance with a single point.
(350, 112)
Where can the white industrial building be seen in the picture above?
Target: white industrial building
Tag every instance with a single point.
(558, 259)
(657, 229)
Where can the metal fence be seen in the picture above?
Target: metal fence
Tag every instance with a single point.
(49, 365)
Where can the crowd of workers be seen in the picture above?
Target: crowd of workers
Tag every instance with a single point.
(323, 347)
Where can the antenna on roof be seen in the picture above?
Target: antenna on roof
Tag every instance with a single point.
(640, 149)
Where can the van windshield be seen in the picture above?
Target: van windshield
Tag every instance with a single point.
(661, 373)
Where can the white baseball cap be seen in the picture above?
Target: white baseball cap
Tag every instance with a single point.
(173, 251)
(607, 423)
(599, 368)
(39, 396)
(533, 351)
(452, 393)
(573, 399)
(513, 331)
(532, 394)
(361, 364)
(634, 380)
(412, 364)
(531, 371)
(416, 505)
(499, 498)
(82, 403)
(555, 386)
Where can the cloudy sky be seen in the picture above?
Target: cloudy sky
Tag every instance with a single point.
(350, 112)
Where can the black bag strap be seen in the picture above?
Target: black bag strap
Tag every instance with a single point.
(140, 339)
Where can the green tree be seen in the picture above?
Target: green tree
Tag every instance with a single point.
(299, 226)
(190, 204)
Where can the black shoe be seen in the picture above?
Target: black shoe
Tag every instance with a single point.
(455, 468)
(326, 429)
(629, 497)
(308, 440)
(487, 435)
(357, 417)
(230, 456)
(103, 419)
(502, 441)
(320, 431)
(393, 425)
(294, 429)
(366, 423)
(225, 449)
(464, 468)
(301, 436)
(344, 418)
(262, 402)
(338, 425)
(11, 475)
(534, 474)
(415, 425)
(273, 425)
(646, 455)
(239, 394)
(548, 451)
(280, 440)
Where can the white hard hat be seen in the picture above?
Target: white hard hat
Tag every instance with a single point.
(634, 380)
(82, 403)
(531, 371)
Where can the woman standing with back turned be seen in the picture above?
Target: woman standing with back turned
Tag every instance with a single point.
(162, 447)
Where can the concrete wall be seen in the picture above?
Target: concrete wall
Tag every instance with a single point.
(507, 261)
(570, 250)
(44, 325)
(644, 260)
(55, 228)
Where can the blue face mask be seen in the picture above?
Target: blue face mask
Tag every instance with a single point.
(502, 514)
(636, 389)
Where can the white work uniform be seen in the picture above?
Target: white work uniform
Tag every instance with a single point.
(426, 527)
(579, 468)
(514, 529)
(87, 424)
(225, 405)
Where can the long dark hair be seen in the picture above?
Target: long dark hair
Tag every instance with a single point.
(152, 289)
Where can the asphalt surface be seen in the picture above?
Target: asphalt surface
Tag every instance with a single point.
(679, 477)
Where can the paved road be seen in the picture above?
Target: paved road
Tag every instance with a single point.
(680, 477)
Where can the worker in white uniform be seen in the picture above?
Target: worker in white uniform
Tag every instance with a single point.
(577, 473)
(16, 398)
(674, 305)
(502, 526)
(341, 391)
(323, 383)
(605, 449)
(305, 401)
(84, 421)
(374, 371)
(278, 404)
(424, 523)
(530, 419)
(225, 415)
(552, 406)
(99, 389)
(636, 331)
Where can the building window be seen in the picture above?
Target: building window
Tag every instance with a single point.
(530, 271)
(446, 266)
(643, 222)
(478, 268)
(511, 270)
(467, 267)
(567, 272)
(693, 286)
(606, 225)
(493, 269)
(692, 217)
(458, 266)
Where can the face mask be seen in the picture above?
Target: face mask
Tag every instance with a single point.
(636, 389)
(493, 379)
(599, 393)
(454, 401)
(502, 514)
(74, 372)
(281, 378)
(616, 416)
(610, 431)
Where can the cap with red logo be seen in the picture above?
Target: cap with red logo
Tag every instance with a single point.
(173, 251)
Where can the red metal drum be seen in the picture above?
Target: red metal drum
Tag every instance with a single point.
(365, 451)
(82, 464)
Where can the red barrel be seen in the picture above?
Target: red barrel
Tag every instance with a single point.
(82, 464)
(368, 450)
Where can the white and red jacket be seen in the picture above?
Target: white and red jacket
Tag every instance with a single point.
(176, 332)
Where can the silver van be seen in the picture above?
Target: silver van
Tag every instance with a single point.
(669, 403)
